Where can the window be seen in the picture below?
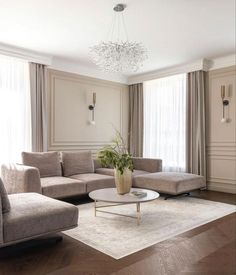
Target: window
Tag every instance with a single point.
(15, 114)
(165, 121)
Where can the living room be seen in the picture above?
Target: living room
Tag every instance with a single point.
(118, 137)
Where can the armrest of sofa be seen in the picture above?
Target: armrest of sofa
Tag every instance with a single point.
(19, 178)
(146, 164)
(1, 223)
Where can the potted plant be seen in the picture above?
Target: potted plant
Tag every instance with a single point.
(116, 156)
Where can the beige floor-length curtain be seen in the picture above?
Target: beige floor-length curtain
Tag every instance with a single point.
(196, 128)
(38, 106)
(135, 143)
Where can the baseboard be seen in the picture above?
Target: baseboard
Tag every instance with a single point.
(222, 187)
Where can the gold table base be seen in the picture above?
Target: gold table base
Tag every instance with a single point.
(138, 210)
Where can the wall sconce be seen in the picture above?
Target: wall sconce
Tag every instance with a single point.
(91, 108)
(225, 102)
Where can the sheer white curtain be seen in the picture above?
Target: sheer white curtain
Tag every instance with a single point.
(15, 114)
(165, 121)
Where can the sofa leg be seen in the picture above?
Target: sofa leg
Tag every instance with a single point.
(174, 196)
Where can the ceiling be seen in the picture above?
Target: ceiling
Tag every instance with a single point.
(173, 31)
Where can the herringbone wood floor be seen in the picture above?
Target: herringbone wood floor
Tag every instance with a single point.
(209, 249)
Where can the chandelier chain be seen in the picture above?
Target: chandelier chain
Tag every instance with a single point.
(123, 21)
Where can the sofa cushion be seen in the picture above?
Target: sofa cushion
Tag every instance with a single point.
(147, 164)
(48, 163)
(170, 182)
(95, 181)
(77, 163)
(110, 172)
(61, 187)
(33, 214)
(4, 198)
(105, 171)
(139, 172)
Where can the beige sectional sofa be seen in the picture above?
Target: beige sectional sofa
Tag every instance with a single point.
(65, 174)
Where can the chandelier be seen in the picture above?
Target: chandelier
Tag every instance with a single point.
(117, 54)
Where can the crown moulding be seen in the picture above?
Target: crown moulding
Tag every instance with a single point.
(66, 65)
(25, 54)
(202, 64)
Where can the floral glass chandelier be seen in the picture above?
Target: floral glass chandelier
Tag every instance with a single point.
(117, 54)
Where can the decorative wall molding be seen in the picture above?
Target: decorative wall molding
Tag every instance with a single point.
(215, 185)
(222, 151)
(222, 180)
(221, 144)
(28, 55)
(55, 143)
(218, 157)
(221, 138)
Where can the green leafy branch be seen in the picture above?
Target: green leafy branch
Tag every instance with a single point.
(116, 155)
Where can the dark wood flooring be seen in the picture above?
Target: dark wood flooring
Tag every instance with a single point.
(208, 249)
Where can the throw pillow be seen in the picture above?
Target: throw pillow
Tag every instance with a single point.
(48, 163)
(77, 163)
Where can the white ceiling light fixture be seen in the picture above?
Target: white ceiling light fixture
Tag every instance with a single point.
(118, 54)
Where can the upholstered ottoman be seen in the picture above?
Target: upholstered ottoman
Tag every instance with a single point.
(170, 182)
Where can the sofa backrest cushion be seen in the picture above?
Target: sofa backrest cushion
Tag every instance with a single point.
(48, 163)
(77, 163)
(4, 198)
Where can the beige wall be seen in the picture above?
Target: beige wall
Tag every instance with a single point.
(69, 98)
(221, 137)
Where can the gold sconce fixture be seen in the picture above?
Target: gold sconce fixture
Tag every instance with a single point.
(225, 102)
(91, 108)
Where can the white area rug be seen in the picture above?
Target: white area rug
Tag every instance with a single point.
(119, 236)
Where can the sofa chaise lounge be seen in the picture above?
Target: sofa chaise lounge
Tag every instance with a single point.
(26, 216)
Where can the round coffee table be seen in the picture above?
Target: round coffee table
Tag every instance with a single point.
(110, 195)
